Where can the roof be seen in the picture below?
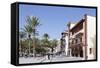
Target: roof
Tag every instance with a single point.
(81, 21)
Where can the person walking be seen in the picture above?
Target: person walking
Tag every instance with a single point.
(48, 56)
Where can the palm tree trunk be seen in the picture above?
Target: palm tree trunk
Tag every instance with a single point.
(34, 31)
(34, 46)
(29, 45)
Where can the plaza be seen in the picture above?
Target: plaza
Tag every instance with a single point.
(44, 59)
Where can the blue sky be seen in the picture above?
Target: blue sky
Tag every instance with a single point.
(53, 19)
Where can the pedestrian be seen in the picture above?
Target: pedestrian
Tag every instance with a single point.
(48, 56)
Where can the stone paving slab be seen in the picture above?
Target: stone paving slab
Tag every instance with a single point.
(23, 60)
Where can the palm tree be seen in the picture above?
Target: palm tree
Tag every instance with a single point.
(33, 23)
(21, 34)
(28, 30)
(21, 37)
(46, 40)
(54, 44)
(46, 36)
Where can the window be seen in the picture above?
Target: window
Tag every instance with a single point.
(73, 32)
(76, 41)
(72, 41)
(80, 39)
(90, 50)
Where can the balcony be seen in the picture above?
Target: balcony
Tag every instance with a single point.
(76, 44)
(77, 41)
(77, 33)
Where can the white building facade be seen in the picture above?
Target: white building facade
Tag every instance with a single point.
(91, 37)
(80, 38)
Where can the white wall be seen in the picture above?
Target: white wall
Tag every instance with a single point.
(66, 46)
(5, 34)
(91, 32)
(72, 25)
